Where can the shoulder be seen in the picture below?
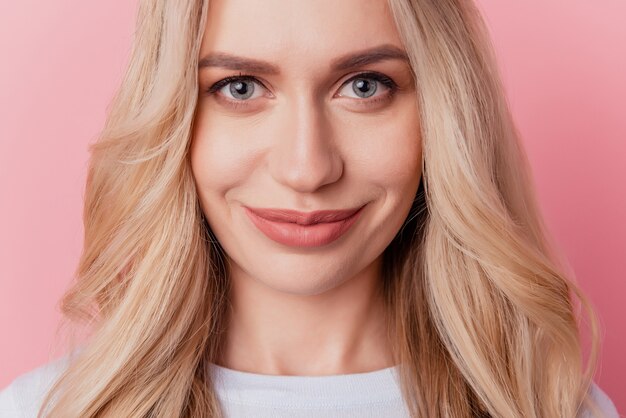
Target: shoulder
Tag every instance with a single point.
(604, 402)
(24, 395)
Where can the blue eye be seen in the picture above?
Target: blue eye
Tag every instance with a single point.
(365, 85)
(241, 87)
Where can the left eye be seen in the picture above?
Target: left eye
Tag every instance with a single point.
(366, 85)
(363, 88)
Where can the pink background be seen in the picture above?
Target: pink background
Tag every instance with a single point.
(563, 63)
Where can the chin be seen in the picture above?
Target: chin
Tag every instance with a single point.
(301, 279)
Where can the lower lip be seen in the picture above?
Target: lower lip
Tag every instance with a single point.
(307, 236)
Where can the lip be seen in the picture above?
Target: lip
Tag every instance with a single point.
(303, 229)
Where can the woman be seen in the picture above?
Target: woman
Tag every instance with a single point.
(319, 208)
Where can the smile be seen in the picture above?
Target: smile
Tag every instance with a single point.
(300, 229)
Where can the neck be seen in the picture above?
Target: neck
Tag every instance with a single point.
(340, 331)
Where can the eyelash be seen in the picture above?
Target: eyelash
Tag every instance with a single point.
(236, 104)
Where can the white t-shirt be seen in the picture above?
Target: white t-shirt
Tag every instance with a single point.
(242, 394)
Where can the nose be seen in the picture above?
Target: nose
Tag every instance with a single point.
(305, 157)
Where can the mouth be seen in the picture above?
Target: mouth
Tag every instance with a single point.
(303, 229)
(304, 218)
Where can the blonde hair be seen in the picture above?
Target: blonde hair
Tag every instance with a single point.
(480, 302)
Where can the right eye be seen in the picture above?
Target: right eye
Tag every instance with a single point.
(236, 88)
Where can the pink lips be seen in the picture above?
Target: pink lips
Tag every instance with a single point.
(301, 229)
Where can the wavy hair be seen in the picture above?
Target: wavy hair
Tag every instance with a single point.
(483, 310)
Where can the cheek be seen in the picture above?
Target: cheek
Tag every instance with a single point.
(390, 152)
(218, 158)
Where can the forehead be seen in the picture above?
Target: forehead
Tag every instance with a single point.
(297, 31)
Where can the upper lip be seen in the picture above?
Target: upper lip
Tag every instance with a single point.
(304, 218)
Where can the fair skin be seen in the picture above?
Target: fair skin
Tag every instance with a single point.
(305, 140)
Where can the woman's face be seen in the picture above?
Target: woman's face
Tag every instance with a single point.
(328, 120)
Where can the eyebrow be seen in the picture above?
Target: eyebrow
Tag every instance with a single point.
(343, 63)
